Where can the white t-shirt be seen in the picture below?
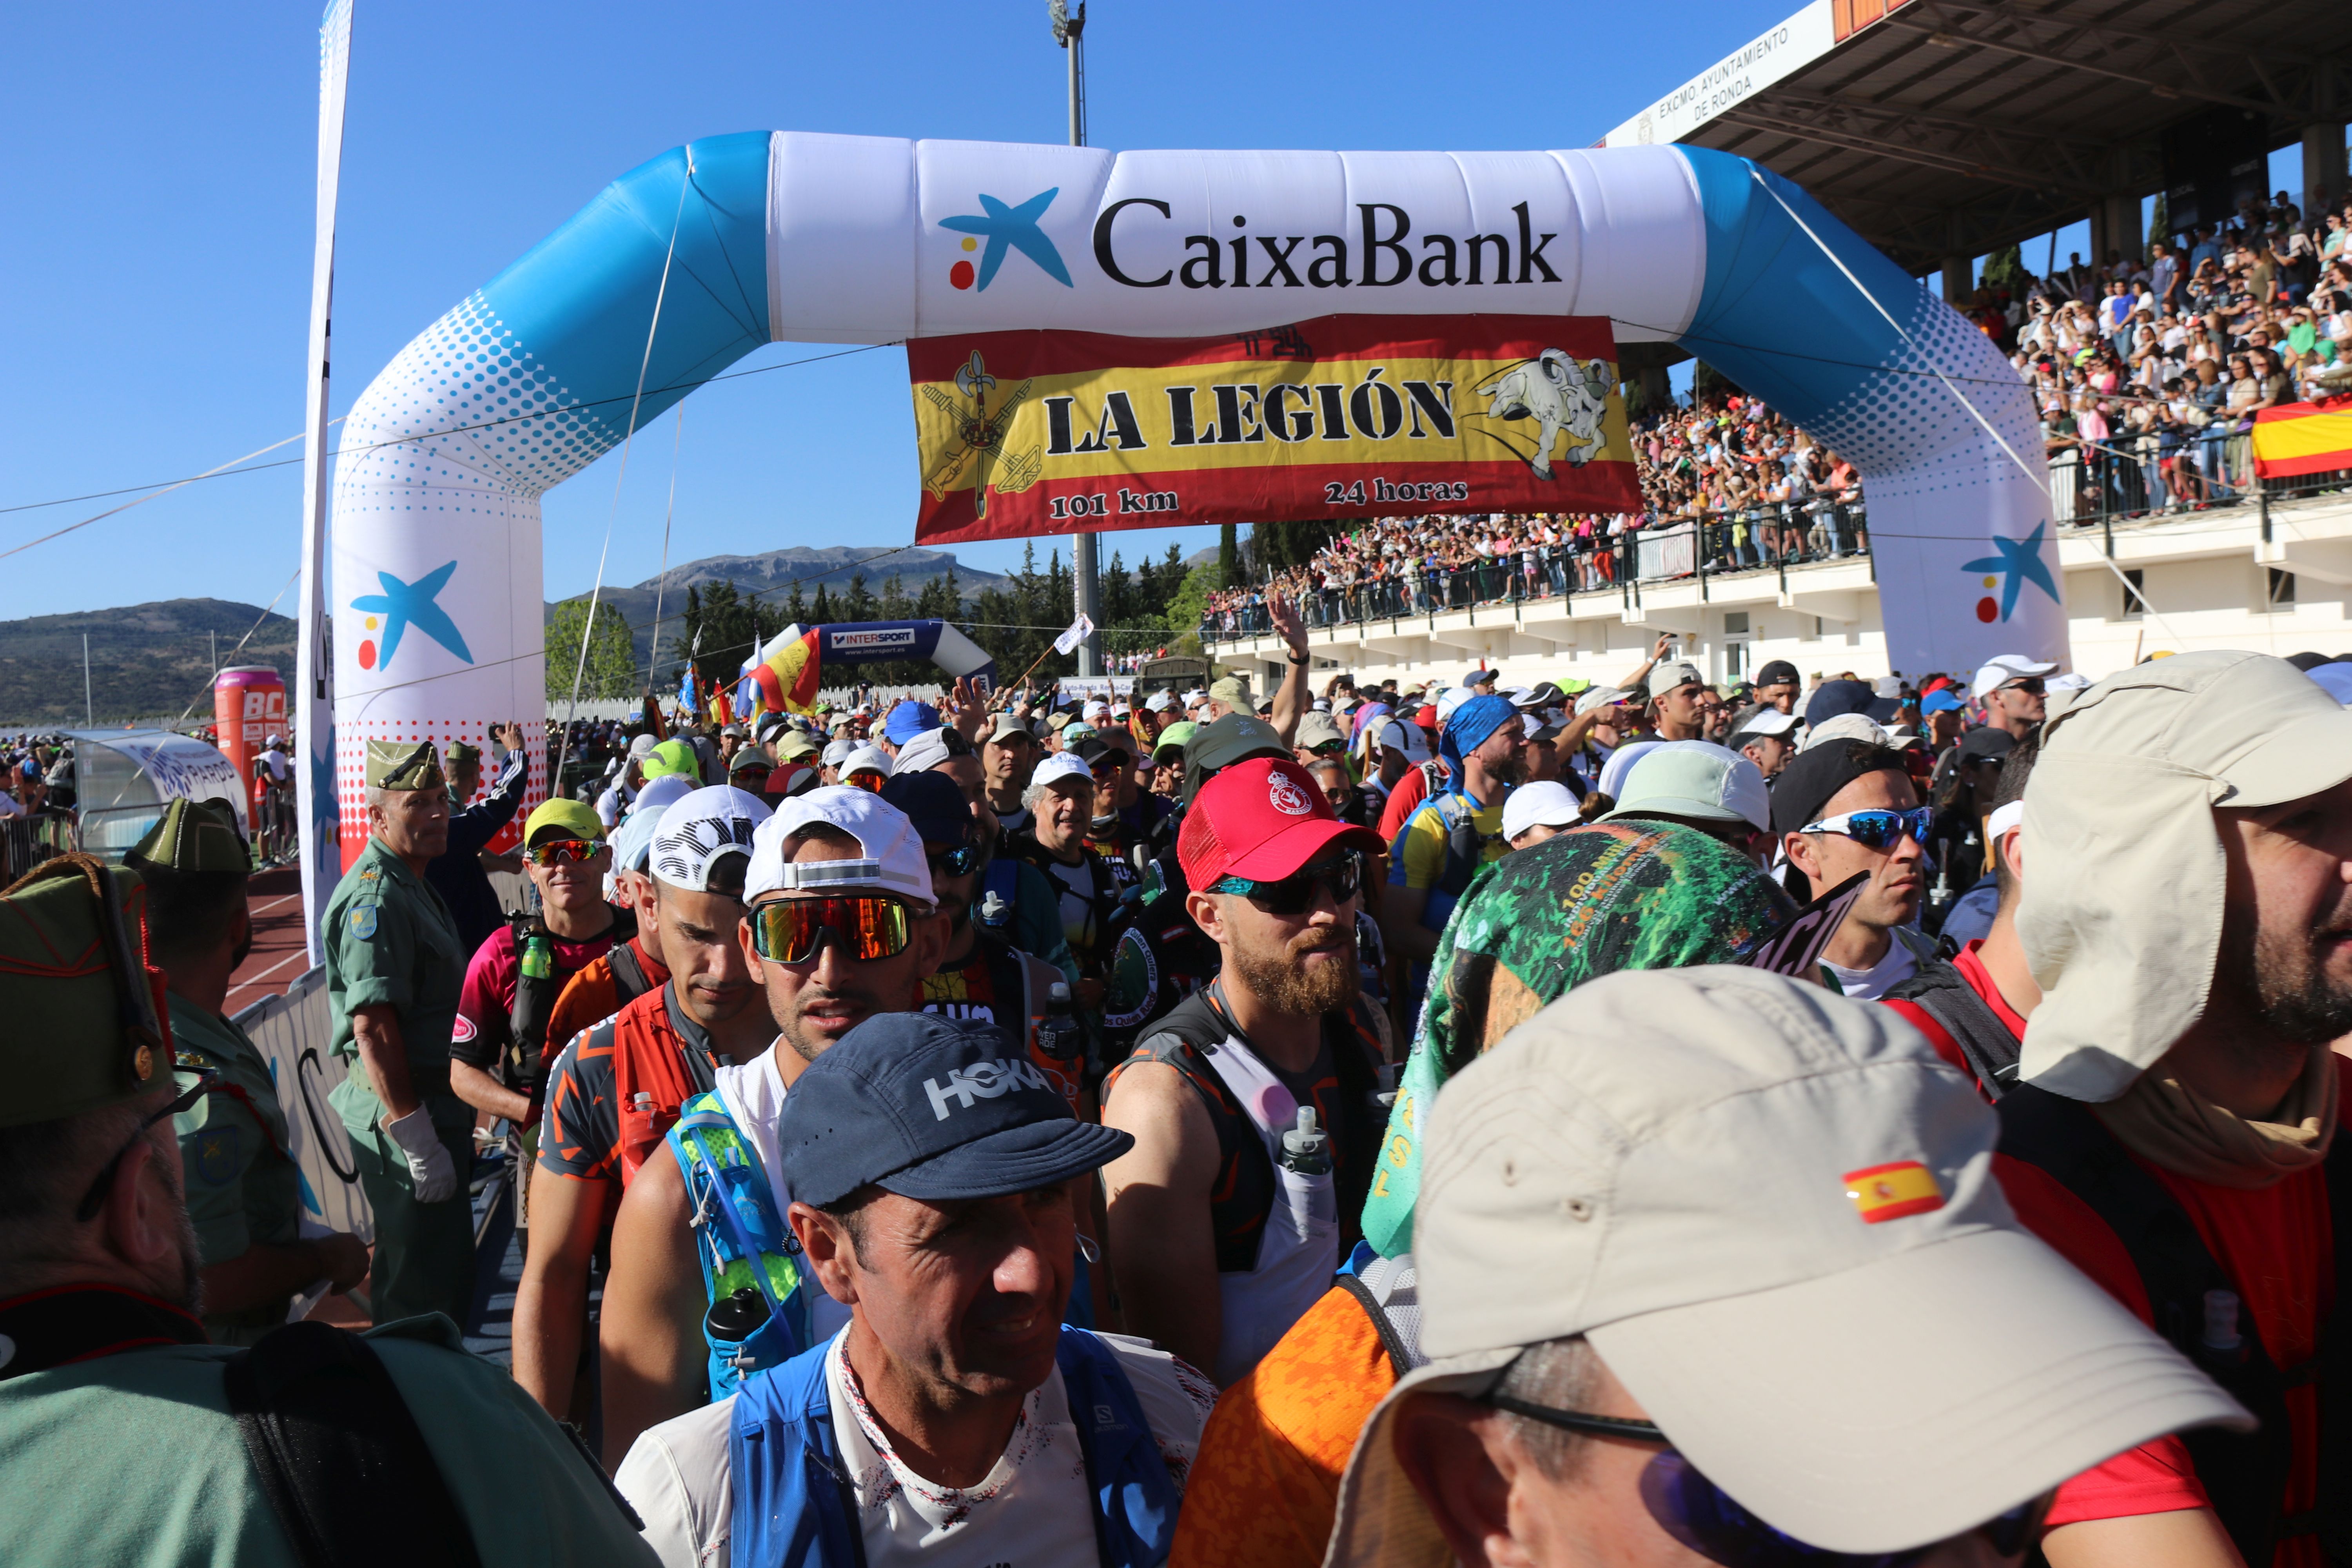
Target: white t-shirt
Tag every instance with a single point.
(1869, 985)
(1031, 1511)
(754, 1094)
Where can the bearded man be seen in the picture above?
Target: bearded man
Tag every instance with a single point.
(1252, 1102)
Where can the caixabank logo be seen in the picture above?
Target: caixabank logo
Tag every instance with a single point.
(1383, 251)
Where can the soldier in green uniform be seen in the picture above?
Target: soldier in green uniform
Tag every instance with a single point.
(117, 1441)
(396, 966)
(243, 1190)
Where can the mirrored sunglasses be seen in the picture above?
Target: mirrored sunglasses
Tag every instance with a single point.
(792, 930)
(1341, 876)
(564, 851)
(1876, 829)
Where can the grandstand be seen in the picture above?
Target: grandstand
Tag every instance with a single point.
(1945, 131)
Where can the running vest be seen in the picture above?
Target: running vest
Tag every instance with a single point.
(1280, 1235)
(655, 1071)
(795, 1507)
(534, 1001)
(2244, 1473)
(992, 986)
(751, 1276)
(1944, 994)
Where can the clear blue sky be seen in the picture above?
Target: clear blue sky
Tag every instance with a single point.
(155, 264)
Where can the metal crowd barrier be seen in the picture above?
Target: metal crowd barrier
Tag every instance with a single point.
(294, 1033)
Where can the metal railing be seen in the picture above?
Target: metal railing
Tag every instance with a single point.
(1768, 537)
(26, 841)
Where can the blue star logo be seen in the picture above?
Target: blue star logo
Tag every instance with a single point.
(1015, 226)
(2018, 562)
(405, 604)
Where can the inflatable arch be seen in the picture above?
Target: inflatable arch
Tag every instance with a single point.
(874, 642)
(787, 237)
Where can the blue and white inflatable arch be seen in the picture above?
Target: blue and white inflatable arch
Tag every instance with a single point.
(789, 236)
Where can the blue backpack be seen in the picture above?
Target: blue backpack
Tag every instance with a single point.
(795, 1506)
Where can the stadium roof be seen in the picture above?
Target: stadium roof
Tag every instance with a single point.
(1943, 127)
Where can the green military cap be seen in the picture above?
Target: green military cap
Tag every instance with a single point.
(458, 751)
(194, 836)
(394, 764)
(82, 1004)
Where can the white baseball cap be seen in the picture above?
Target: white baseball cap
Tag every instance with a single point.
(2003, 667)
(661, 795)
(1846, 726)
(1450, 699)
(1544, 803)
(701, 829)
(891, 862)
(1696, 778)
(1160, 702)
(928, 750)
(1621, 762)
(837, 751)
(867, 759)
(1767, 720)
(1673, 675)
(632, 841)
(1600, 697)
(1097, 709)
(1410, 739)
(1059, 766)
(1771, 1212)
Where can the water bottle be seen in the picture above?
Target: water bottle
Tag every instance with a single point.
(1307, 1148)
(995, 911)
(538, 957)
(2222, 1343)
(1059, 1033)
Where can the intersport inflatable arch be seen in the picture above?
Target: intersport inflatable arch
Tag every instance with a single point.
(791, 236)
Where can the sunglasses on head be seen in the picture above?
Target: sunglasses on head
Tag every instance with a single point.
(1709, 1521)
(1341, 878)
(1876, 829)
(792, 930)
(564, 851)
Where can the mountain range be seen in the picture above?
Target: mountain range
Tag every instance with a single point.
(149, 661)
(773, 574)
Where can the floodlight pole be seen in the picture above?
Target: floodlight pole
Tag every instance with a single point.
(1069, 28)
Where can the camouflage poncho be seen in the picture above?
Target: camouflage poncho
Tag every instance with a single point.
(1627, 894)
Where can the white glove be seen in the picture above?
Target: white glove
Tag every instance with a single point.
(430, 1168)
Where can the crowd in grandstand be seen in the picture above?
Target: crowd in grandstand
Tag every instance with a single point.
(2148, 374)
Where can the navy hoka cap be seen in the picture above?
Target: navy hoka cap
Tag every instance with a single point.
(931, 1108)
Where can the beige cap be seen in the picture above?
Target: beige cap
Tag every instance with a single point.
(2121, 913)
(1772, 1212)
(1233, 690)
(1317, 729)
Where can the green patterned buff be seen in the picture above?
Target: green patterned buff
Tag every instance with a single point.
(1540, 923)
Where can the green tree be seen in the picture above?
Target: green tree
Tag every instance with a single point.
(722, 628)
(1229, 555)
(796, 610)
(611, 666)
(2005, 268)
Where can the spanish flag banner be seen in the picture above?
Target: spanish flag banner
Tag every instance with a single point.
(2303, 438)
(1343, 416)
(787, 677)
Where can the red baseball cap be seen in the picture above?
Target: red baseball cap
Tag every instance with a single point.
(1262, 819)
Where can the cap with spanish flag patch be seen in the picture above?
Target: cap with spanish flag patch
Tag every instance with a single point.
(1773, 1214)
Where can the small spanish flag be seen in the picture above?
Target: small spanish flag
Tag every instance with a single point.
(2303, 438)
(1882, 1193)
(788, 676)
